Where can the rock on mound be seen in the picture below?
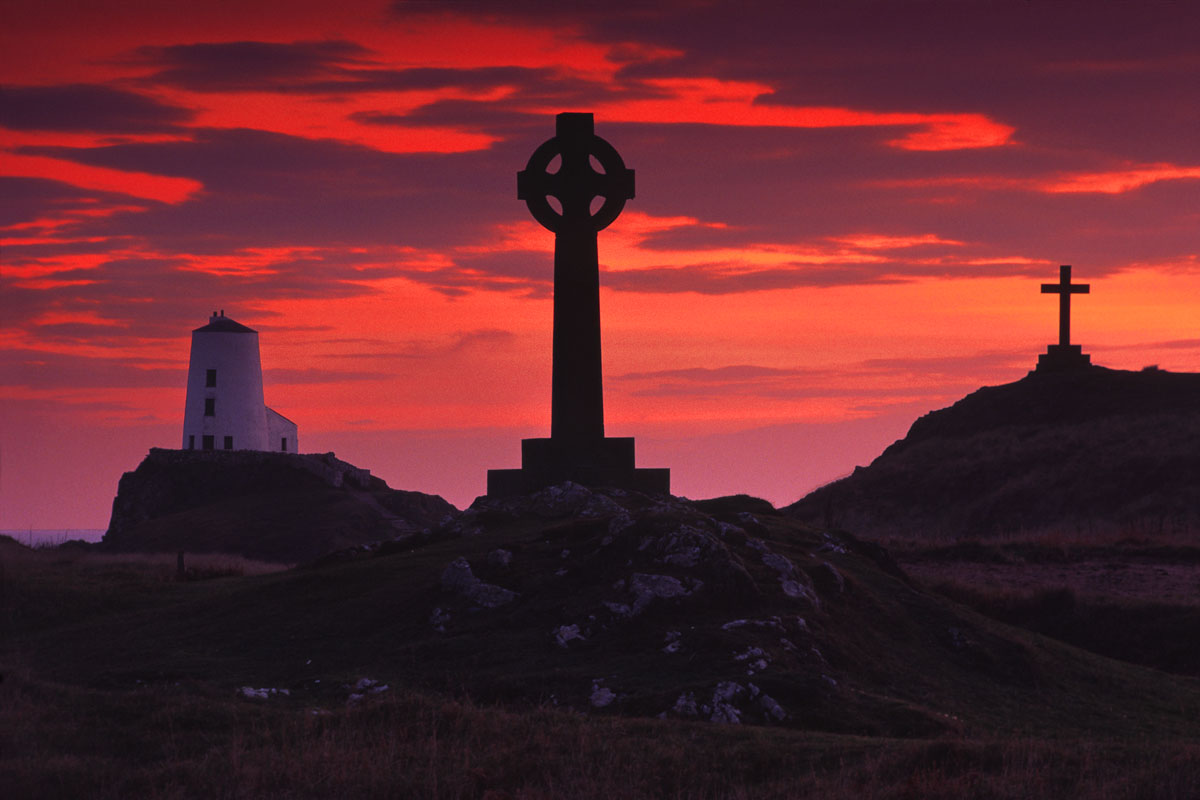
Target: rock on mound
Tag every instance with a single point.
(272, 506)
(1082, 450)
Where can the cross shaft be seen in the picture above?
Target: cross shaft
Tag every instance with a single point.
(577, 393)
(1064, 289)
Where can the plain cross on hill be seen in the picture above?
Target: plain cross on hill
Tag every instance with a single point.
(1064, 355)
(1064, 289)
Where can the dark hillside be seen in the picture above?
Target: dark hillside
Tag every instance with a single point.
(1063, 398)
(272, 506)
(614, 603)
(1089, 450)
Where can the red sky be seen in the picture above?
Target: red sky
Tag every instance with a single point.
(844, 212)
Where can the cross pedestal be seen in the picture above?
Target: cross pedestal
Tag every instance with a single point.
(577, 449)
(607, 461)
(1058, 358)
(1064, 355)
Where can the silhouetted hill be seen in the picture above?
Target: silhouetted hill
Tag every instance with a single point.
(1083, 450)
(284, 507)
(611, 602)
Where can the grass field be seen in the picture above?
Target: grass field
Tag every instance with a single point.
(196, 741)
(121, 680)
(1132, 595)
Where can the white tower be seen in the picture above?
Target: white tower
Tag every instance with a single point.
(224, 409)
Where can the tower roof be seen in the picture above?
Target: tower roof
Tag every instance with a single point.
(223, 324)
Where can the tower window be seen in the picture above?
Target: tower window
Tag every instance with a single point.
(206, 442)
(191, 442)
(210, 406)
(210, 378)
(228, 442)
(283, 444)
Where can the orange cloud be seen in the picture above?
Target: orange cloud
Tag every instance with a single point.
(50, 265)
(137, 184)
(1119, 181)
(988, 262)
(48, 283)
(48, 224)
(712, 101)
(256, 261)
(1101, 182)
(869, 241)
(317, 118)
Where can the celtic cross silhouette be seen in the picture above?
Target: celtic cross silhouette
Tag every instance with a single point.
(589, 173)
(576, 182)
(577, 393)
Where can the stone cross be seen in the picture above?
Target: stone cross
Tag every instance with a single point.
(577, 395)
(576, 201)
(1064, 289)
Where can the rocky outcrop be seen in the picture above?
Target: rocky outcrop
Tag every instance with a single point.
(707, 610)
(273, 506)
(457, 577)
(1086, 450)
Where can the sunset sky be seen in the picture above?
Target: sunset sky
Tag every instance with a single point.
(843, 215)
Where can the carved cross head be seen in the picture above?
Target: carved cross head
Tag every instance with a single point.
(589, 168)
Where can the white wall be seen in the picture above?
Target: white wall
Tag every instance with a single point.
(240, 411)
(280, 427)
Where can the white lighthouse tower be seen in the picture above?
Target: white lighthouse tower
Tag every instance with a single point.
(224, 409)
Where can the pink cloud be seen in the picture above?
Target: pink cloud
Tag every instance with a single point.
(1118, 181)
(162, 188)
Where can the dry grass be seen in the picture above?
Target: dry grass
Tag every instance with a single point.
(1125, 592)
(178, 742)
(41, 588)
(1136, 534)
(164, 566)
(1153, 626)
(152, 566)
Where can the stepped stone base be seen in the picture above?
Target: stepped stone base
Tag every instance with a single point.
(604, 462)
(1061, 358)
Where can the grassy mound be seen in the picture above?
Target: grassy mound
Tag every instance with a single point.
(571, 644)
